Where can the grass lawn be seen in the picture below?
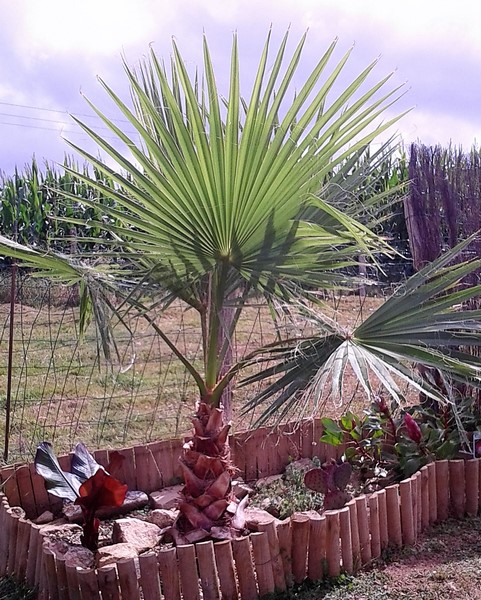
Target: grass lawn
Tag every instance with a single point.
(10, 590)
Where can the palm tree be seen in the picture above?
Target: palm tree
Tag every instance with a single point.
(221, 199)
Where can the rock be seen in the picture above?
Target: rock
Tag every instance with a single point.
(256, 516)
(196, 535)
(139, 534)
(58, 547)
(265, 481)
(241, 489)
(166, 498)
(78, 556)
(303, 464)
(109, 555)
(133, 501)
(44, 518)
(74, 555)
(60, 527)
(162, 518)
(266, 504)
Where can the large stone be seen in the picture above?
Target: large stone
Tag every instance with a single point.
(303, 465)
(133, 501)
(162, 518)
(167, 498)
(265, 481)
(60, 528)
(139, 534)
(241, 489)
(44, 518)
(78, 556)
(109, 555)
(74, 555)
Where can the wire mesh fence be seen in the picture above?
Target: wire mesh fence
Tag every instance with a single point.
(63, 390)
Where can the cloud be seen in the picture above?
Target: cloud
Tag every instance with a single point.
(90, 28)
(443, 129)
(52, 49)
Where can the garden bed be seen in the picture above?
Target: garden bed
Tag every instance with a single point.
(307, 545)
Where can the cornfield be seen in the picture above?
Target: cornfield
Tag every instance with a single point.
(34, 210)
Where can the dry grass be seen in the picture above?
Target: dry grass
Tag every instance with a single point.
(63, 393)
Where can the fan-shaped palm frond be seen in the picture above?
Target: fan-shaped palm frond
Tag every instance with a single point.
(422, 323)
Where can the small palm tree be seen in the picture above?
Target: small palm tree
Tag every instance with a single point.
(219, 200)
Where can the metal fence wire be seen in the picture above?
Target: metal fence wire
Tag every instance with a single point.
(63, 390)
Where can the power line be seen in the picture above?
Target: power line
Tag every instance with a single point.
(32, 126)
(25, 126)
(63, 112)
(66, 123)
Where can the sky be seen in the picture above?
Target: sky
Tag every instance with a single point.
(53, 51)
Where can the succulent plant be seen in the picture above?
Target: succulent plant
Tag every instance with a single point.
(331, 480)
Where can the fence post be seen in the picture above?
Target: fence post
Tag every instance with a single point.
(374, 526)
(363, 524)
(356, 545)
(300, 540)
(457, 487)
(442, 489)
(333, 547)
(346, 540)
(408, 516)
(472, 487)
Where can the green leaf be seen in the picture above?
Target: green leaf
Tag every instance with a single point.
(348, 421)
(411, 466)
(420, 324)
(447, 450)
(331, 426)
(332, 439)
(350, 453)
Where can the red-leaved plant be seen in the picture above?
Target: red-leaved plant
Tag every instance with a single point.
(412, 428)
(88, 485)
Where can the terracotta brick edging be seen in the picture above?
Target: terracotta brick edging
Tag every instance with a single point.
(307, 545)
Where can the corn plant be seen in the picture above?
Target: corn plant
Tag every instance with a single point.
(34, 208)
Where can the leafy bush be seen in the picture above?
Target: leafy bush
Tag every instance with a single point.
(388, 443)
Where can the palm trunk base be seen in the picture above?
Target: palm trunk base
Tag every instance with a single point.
(208, 507)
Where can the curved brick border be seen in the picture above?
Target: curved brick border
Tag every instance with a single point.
(307, 545)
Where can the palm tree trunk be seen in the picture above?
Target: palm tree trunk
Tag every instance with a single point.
(208, 507)
(226, 319)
